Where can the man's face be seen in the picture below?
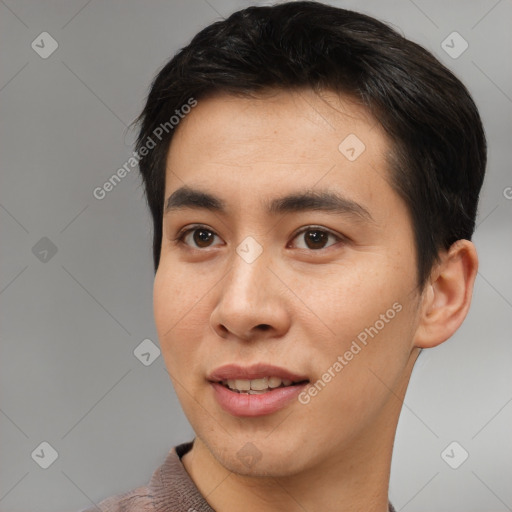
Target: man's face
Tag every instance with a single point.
(328, 295)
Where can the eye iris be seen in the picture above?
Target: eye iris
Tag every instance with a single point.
(318, 238)
(202, 237)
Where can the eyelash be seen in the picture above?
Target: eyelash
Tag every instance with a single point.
(184, 232)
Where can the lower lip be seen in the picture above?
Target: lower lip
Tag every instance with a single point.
(243, 404)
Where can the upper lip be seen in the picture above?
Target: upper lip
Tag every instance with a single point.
(255, 371)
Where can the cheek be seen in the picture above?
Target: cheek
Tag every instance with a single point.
(352, 297)
(165, 291)
(176, 294)
(370, 314)
(175, 304)
(361, 371)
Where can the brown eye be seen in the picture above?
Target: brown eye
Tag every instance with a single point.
(316, 238)
(201, 237)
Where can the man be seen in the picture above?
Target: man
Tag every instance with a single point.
(313, 179)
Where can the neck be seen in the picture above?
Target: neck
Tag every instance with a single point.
(352, 479)
(343, 485)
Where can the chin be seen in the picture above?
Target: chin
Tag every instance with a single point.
(261, 456)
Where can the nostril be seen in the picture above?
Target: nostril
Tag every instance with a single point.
(264, 327)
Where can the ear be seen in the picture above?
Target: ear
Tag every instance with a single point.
(447, 295)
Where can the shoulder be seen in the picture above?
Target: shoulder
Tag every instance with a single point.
(139, 500)
(169, 490)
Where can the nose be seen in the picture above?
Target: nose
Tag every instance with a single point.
(252, 301)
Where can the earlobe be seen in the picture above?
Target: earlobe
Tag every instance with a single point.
(447, 295)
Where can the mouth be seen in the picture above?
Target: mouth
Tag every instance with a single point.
(259, 386)
(255, 390)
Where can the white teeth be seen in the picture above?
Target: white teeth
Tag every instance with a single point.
(243, 385)
(274, 382)
(259, 384)
(256, 386)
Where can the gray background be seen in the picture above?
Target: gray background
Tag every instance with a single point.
(70, 321)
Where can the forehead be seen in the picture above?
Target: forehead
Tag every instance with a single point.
(249, 148)
(299, 117)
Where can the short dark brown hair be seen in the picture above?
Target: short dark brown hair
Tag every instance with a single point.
(438, 153)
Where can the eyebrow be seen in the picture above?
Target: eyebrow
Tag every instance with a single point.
(323, 200)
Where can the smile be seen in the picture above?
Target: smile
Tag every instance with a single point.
(258, 386)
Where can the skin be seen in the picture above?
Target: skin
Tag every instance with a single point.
(333, 453)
